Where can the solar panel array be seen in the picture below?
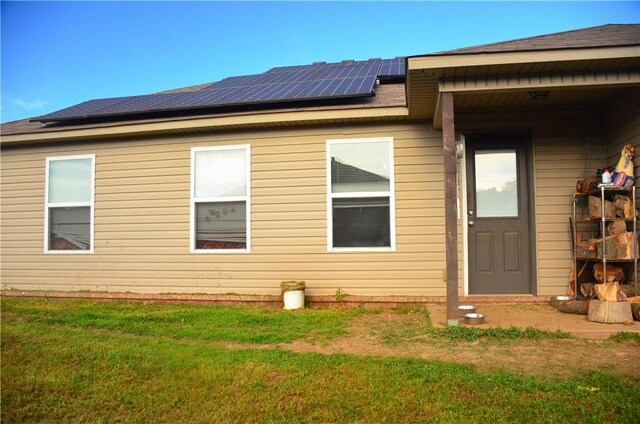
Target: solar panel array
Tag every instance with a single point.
(290, 83)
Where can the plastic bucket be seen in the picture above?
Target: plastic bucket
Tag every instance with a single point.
(293, 299)
(293, 294)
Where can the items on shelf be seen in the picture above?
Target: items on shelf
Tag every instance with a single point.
(606, 177)
(605, 243)
(625, 164)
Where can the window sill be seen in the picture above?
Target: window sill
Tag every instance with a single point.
(360, 249)
(223, 251)
(68, 252)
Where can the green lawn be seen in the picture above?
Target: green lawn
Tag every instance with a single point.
(80, 361)
(184, 321)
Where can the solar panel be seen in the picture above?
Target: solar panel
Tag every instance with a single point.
(341, 87)
(242, 81)
(340, 72)
(320, 80)
(88, 108)
(298, 75)
(392, 67)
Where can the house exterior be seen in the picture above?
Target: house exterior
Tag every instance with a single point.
(454, 180)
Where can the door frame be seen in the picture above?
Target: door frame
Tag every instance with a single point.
(527, 139)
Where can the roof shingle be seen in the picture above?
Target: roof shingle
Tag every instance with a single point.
(601, 36)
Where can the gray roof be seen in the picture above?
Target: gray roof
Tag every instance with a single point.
(610, 35)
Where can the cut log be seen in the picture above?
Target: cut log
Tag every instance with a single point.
(587, 290)
(609, 312)
(624, 207)
(593, 242)
(609, 292)
(635, 311)
(614, 273)
(618, 246)
(634, 299)
(579, 307)
(586, 185)
(617, 226)
(629, 290)
(595, 208)
(586, 251)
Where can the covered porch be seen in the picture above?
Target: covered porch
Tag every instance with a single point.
(549, 117)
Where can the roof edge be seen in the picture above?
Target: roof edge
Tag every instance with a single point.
(521, 56)
(204, 123)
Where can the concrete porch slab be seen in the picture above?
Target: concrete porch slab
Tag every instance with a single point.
(541, 316)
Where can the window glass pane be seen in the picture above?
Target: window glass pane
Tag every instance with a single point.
(358, 167)
(361, 222)
(69, 228)
(221, 225)
(220, 173)
(70, 180)
(496, 183)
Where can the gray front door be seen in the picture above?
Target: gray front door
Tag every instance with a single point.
(498, 214)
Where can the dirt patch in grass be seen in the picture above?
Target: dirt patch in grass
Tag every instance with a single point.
(406, 335)
(405, 332)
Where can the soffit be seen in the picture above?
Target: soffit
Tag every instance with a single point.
(522, 99)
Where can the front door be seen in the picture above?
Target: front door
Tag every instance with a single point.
(498, 214)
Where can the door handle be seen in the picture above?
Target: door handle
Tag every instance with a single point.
(471, 223)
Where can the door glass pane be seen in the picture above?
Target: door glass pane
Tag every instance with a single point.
(360, 167)
(70, 180)
(496, 183)
(221, 173)
(70, 228)
(361, 222)
(221, 225)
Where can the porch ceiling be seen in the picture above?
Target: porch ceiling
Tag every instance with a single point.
(585, 98)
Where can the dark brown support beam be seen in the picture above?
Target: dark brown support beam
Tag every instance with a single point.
(450, 206)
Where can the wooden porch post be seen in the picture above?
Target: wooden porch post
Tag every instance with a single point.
(450, 207)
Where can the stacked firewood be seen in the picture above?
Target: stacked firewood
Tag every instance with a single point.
(612, 304)
(608, 294)
(619, 243)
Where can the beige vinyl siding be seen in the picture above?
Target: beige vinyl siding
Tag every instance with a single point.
(559, 163)
(623, 127)
(560, 159)
(142, 218)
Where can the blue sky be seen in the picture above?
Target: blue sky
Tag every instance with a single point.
(56, 54)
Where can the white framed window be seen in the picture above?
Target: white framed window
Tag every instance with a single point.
(360, 195)
(69, 199)
(220, 199)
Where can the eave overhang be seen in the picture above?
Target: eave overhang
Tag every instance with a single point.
(199, 124)
(434, 62)
(429, 76)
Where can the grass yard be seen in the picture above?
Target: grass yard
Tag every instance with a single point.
(82, 361)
